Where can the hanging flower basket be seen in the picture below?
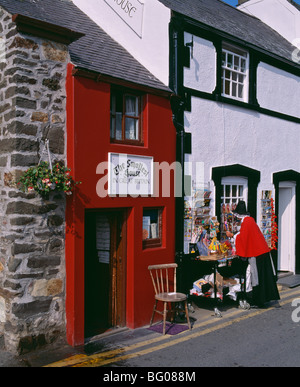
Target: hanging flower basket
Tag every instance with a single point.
(42, 179)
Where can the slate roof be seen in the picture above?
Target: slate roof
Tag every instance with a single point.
(294, 4)
(225, 18)
(96, 51)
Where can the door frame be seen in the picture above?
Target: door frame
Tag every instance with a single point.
(116, 298)
(289, 263)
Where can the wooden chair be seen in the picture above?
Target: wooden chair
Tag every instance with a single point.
(165, 290)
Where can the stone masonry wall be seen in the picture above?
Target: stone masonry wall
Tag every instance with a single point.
(32, 266)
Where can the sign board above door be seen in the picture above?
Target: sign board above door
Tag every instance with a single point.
(130, 175)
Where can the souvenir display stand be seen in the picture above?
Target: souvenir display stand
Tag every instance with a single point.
(268, 223)
(208, 244)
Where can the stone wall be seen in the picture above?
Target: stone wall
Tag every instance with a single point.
(32, 266)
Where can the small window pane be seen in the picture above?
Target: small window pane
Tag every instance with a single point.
(234, 88)
(131, 106)
(243, 65)
(227, 190)
(223, 59)
(241, 78)
(241, 191)
(119, 126)
(229, 61)
(227, 87)
(236, 62)
(234, 191)
(131, 129)
(241, 91)
(112, 126)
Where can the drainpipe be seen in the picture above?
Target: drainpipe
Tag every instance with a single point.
(177, 105)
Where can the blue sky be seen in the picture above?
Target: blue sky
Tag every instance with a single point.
(234, 2)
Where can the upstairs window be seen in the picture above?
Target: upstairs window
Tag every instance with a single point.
(125, 117)
(235, 69)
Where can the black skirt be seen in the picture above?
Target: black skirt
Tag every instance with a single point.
(266, 290)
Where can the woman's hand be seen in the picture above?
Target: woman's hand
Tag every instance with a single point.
(229, 234)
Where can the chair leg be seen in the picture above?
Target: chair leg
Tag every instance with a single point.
(154, 310)
(165, 316)
(187, 315)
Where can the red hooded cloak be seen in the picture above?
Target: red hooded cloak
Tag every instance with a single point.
(250, 241)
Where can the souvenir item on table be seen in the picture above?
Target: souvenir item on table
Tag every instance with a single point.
(214, 226)
(197, 285)
(225, 247)
(203, 244)
(214, 246)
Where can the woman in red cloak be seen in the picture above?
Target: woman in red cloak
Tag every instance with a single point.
(249, 243)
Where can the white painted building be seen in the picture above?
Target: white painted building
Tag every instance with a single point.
(237, 105)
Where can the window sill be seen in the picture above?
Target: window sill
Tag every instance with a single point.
(127, 142)
(152, 243)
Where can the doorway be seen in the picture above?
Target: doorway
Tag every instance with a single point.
(286, 227)
(105, 271)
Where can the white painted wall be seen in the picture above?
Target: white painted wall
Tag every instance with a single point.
(280, 15)
(224, 135)
(278, 90)
(151, 49)
(201, 75)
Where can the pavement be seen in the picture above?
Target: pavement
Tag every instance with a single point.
(60, 354)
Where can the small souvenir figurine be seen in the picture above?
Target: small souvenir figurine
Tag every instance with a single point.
(214, 227)
(214, 246)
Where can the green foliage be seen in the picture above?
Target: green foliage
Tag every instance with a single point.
(43, 180)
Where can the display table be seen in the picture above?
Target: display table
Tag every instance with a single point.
(218, 260)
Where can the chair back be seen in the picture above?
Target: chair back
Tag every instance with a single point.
(163, 277)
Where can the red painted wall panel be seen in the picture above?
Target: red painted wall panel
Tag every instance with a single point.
(88, 144)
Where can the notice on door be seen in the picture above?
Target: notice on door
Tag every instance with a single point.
(130, 175)
(130, 11)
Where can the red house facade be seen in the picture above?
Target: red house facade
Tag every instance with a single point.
(107, 283)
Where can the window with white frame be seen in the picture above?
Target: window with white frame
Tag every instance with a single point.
(235, 70)
(234, 189)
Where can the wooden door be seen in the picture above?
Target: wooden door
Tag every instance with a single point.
(117, 270)
(105, 271)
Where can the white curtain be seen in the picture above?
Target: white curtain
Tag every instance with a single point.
(131, 124)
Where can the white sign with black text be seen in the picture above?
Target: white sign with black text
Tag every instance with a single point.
(130, 175)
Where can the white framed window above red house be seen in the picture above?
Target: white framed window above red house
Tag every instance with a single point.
(235, 73)
(126, 117)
